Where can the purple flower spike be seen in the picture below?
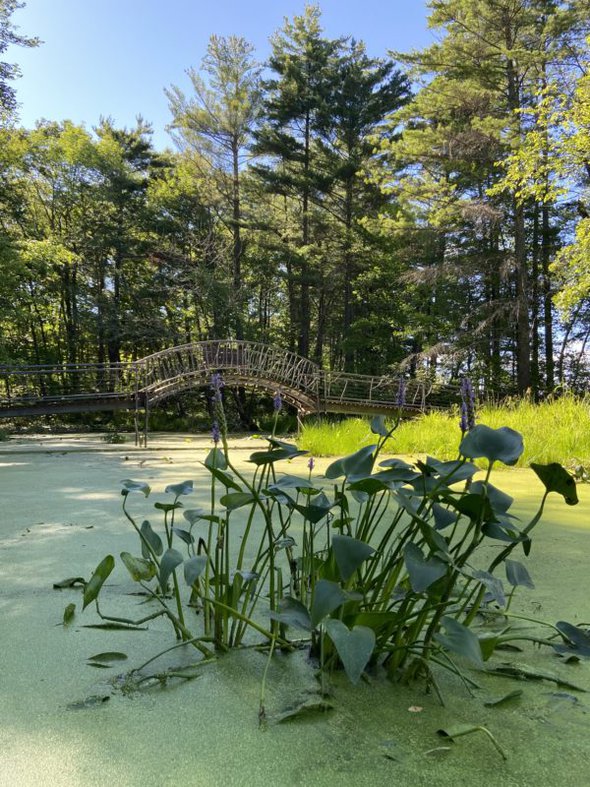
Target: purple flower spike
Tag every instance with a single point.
(310, 463)
(217, 384)
(215, 432)
(467, 405)
(277, 402)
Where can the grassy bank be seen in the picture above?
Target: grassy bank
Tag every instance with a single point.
(555, 431)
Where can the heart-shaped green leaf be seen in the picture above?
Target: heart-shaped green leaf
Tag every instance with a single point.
(170, 560)
(461, 640)
(557, 479)
(503, 444)
(134, 486)
(193, 568)
(292, 612)
(183, 488)
(517, 574)
(349, 553)
(421, 571)
(357, 465)
(327, 597)
(215, 459)
(235, 500)
(355, 647)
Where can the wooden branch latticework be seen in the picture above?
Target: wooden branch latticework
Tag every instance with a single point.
(27, 390)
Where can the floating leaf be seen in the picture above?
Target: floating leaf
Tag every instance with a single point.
(70, 582)
(108, 657)
(170, 560)
(153, 539)
(134, 486)
(141, 570)
(503, 444)
(183, 488)
(355, 647)
(69, 613)
(94, 701)
(422, 572)
(305, 708)
(461, 640)
(327, 597)
(556, 479)
(349, 553)
(524, 672)
(101, 573)
(292, 612)
(493, 702)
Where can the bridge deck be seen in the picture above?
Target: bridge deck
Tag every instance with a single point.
(139, 385)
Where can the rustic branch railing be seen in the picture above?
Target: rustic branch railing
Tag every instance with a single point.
(143, 383)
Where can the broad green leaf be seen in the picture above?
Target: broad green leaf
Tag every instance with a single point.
(356, 466)
(290, 448)
(193, 568)
(493, 702)
(503, 444)
(461, 640)
(184, 535)
(578, 640)
(517, 574)
(170, 560)
(327, 597)
(370, 486)
(349, 553)
(152, 538)
(235, 500)
(141, 570)
(421, 571)
(556, 479)
(69, 613)
(443, 517)
(135, 486)
(378, 426)
(183, 488)
(493, 585)
(167, 507)
(454, 471)
(317, 510)
(292, 482)
(307, 707)
(215, 459)
(193, 515)
(275, 455)
(499, 500)
(101, 574)
(355, 647)
(292, 612)
(226, 479)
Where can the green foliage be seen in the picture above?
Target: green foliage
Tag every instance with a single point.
(374, 561)
(566, 419)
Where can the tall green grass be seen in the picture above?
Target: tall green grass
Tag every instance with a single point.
(554, 431)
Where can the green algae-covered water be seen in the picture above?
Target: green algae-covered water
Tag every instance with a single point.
(61, 514)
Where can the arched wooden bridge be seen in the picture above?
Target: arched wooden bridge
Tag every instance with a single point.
(139, 385)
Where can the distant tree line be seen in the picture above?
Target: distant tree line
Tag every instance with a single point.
(429, 208)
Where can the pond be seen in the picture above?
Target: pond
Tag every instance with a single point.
(61, 514)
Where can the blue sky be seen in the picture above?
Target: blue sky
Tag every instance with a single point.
(115, 57)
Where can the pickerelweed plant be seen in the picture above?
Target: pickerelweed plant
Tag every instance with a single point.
(375, 564)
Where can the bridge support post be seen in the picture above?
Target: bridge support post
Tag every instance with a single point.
(146, 422)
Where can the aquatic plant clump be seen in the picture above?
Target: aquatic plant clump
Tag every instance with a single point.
(375, 564)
